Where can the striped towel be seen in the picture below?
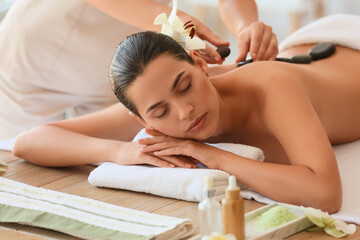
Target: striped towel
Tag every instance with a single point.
(84, 217)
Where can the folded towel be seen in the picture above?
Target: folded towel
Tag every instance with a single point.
(179, 183)
(84, 217)
(340, 29)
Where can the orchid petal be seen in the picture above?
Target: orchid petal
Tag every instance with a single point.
(206, 238)
(195, 43)
(173, 12)
(218, 236)
(316, 216)
(332, 226)
(161, 19)
(334, 232)
(346, 228)
(178, 24)
(174, 28)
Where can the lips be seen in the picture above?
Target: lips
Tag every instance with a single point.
(198, 123)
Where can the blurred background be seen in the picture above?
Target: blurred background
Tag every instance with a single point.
(285, 16)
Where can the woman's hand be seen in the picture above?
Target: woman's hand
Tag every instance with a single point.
(163, 146)
(135, 156)
(258, 39)
(209, 54)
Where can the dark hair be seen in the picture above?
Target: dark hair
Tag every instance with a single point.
(134, 54)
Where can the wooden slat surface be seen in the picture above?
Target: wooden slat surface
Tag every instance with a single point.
(73, 180)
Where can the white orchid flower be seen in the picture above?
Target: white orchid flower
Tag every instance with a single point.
(332, 226)
(181, 33)
(218, 236)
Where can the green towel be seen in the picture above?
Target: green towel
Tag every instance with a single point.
(83, 217)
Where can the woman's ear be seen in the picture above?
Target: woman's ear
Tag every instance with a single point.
(137, 118)
(199, 62)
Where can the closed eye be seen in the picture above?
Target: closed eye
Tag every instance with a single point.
(186, 88)
(163, 113)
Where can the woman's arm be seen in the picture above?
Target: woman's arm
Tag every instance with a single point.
(313, 177)
(138, 13)
(103, 136)
(87, 139)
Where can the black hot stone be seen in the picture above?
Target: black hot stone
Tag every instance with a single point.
(242, 63)
(224, 51)
(322, 50)
(304, 59)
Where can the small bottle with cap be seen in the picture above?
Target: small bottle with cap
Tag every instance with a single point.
(233, 211)
(209, 210)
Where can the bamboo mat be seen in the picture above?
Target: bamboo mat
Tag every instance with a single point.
(73, 180)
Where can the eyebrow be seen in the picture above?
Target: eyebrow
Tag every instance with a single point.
(177, 79)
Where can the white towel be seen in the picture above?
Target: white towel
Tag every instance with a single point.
(340, 29)
(180, 183)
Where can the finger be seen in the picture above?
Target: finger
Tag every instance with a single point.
(155, 161)
(178, 161)
(273, 57)
(272, 50)
(153, 140)
(243, 45)
(265, 42)
(256, 37)
(194, 160)
(191, 160)
(210, 55)
(159, 146)
(171, 151)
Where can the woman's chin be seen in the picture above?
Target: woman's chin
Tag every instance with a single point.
(202, 135)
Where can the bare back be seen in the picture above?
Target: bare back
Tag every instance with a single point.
(332, 85)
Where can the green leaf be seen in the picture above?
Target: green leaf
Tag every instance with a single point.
(315, 220)
(313, 228)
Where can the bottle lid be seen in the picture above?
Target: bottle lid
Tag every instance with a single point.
(232, 183)
(208, 190)
(208, 182)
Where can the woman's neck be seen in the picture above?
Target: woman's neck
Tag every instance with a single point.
(234, 107)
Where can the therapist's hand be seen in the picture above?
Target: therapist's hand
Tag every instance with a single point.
(258, 39)
(210, 55)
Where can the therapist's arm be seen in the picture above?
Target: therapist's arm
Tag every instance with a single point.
(141, 14)
(138, 13)
(241, 18)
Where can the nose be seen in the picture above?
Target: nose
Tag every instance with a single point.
(184, 110)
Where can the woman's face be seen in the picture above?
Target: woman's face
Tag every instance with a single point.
(176, 98)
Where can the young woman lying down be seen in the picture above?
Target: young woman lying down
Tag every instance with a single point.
(293, 112)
